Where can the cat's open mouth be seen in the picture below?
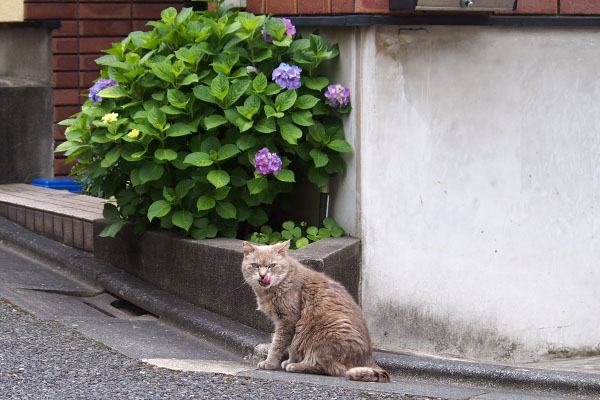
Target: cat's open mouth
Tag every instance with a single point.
(265, 281)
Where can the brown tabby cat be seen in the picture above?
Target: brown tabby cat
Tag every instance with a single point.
(315, 318)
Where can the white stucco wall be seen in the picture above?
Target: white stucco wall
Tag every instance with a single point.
(476, 183)
(12, 10)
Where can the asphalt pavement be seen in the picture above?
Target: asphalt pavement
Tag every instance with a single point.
(68, 338)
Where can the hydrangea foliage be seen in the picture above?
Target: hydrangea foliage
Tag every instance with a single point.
(206, 125)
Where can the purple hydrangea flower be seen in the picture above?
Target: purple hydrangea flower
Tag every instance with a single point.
(287, 76)
(338, 95)
(266, 162)
(290, 30)
(98, 86)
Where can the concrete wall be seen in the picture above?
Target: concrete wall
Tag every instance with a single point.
(476, 185)
(12, 10)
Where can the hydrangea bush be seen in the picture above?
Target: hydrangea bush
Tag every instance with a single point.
(203, 123)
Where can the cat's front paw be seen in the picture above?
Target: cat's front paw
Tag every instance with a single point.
(284, 364)
(267, 365)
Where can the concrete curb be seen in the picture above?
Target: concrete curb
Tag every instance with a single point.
(245, 340)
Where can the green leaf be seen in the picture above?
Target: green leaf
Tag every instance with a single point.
(259, 84)
(276, 28)
(317, 83)
(257, 185)
(158, 209)
(318, 176)
(227, 151)
(270, 112)
(250, 107)
(111, 212)
(151, 172)
(306, 102)
(221, 193)
(285, 101)
(226, 210)
(213, 121)
(246, 142)
(317, 132)
(157, 118)
(302, 118)
(111, 157)
(163, 71)
(337, 232)
(288, 225)
(179, 129)
(290, 133)
(220, 86)
(205, 203)
(218, 177)
(285, 175)
(177, 98)
(113, 92)
(320, 158)
(266, 125)
(169, 194)
(204, 93)
(318, 44)
(329, 223)
(236, 91)
(210, 143)
(165, 154)
(312, 230)
(198, 159)
(112, 229)
(189, 79)
(301, 242)
(183, 219)
(168, 15)
(340, 145)
(183, 187)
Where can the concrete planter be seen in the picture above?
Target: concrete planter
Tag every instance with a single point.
(207, 272)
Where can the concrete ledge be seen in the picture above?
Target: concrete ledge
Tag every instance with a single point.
(246, 341)
(207, 272)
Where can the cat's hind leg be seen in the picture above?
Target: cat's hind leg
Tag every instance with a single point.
(304, 367)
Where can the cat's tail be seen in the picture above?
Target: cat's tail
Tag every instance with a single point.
(368, 374)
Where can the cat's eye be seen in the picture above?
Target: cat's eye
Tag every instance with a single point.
(255, 265)
(271, 266)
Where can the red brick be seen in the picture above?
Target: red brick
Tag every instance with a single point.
(87, 78)
(140, 25)
(59, 133)
(66, 79)
(96, 44)
(67, 28)
(50, 1)
(371, 6)
(151, 11)
(537, 7)
(62, 112)
(342, 6)
(64, 45)
(65, 63)
(104, 11)
(104, 28)
(580, 7)
(256, 6)
(314, 7)
(87, 62)
(66, 97)
(281, 6)
(62, 169)
(50, 11)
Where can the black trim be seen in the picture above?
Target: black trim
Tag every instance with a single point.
(445, 19)
(403, 4)
(46, 23)
(196, 5)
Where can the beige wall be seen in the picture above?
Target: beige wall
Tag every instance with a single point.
(11, 10)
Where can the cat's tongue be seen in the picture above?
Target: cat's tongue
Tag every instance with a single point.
(266, 280)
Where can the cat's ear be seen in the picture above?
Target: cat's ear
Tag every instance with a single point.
(248, 248)
(282, 247)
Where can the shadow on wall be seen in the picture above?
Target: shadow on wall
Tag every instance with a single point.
(26, 104)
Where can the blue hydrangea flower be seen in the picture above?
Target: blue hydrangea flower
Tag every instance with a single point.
(338, 95)
(99, 86)
(287, 76)
(266, 162)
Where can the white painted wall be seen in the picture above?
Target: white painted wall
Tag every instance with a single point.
(477, 185)
(12, 10)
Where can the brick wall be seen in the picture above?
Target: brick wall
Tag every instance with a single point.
(87, 28)
(300, 7)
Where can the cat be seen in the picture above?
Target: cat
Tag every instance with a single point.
(315, 318)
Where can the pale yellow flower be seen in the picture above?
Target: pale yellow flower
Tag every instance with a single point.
(134, 133)
(108, 118)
